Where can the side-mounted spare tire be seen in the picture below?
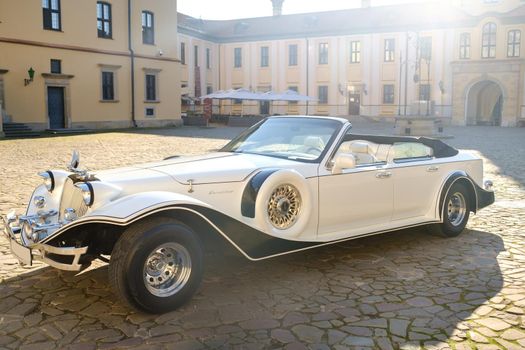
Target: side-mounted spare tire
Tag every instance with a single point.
(284, 204)
(156, 265)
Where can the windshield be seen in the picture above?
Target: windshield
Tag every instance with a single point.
(302, 139)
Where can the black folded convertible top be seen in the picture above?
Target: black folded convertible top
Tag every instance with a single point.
(441, 149)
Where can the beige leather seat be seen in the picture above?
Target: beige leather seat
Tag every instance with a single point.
(314, 142)
(361, 151)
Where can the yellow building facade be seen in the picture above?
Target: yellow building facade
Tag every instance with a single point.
(89, 64)
(460, 60)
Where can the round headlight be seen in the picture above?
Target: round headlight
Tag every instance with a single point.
(87, 192)
(49, 180)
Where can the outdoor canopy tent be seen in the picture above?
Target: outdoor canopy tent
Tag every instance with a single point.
(244, 94)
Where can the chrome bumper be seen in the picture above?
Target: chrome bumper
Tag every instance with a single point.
(42, 252)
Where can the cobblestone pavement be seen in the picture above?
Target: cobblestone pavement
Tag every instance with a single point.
(408, 289)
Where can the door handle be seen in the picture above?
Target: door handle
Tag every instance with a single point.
(432, 168)
(383, 174)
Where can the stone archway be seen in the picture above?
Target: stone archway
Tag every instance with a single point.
(484, 103)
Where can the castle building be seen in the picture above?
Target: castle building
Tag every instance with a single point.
(121, 63)
(459, 59)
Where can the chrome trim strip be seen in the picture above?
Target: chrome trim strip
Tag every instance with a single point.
(144, 214)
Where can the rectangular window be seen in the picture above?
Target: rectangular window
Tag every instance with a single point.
(237, 57)
(322, 93)
(149, 112)
(296, 89)
(488, 40)
(323, 53)
(355, 51)
(108, 86)
(183, 53)
(196, 56)
(292, 55)
(464, 46)
(51, 14)
(208, 61)
(148, 29)
(425, 47)
(264, 56)
(424, 92)
(209, 90)
(388, 94)
(513, 43)
(151, 87)
(56, 66)
(104, 19)
(390, 47)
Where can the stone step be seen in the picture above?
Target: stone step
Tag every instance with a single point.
(18, 130)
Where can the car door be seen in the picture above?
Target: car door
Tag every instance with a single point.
(356, 201)
(416, 178)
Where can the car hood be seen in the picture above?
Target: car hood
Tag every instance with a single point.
(211, 168)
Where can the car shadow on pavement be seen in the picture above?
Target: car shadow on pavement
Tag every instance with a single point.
(404, 287)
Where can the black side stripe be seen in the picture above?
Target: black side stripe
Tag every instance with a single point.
(254, 243)
(250, 192)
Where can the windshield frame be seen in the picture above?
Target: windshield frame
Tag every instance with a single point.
(243, 135)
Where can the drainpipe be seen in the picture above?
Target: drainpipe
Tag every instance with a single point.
(307, 76)
(132, 58)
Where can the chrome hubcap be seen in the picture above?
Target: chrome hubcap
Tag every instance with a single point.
(167, 269)
(457, 208)
(284, 206)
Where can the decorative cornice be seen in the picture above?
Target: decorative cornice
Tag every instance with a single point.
(57, 76)
(84, 49)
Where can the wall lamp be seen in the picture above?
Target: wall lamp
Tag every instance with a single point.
(31, 73)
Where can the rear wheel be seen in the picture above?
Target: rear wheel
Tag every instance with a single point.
(156, 266)
(456, 211)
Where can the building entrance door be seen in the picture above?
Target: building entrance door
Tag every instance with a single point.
(354, 101)
(55, 107)
(484, 104)
(264, 107)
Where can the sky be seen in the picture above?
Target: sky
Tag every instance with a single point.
(231, 9)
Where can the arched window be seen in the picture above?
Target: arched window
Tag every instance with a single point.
(488, 41)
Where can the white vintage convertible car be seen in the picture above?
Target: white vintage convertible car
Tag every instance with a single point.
(284, 185)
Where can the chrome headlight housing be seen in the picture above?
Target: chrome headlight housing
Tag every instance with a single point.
(87, 192)
(49, 180)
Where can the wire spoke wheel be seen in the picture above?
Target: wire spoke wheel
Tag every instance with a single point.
(284, 206)
(167, 269)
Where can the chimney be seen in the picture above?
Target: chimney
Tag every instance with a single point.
(277, 7)
(365, 4)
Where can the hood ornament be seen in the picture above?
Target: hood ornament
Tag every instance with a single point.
(74, 164)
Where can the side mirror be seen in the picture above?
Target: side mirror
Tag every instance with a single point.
(343, 161)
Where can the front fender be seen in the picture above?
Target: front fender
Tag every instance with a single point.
(126, 209)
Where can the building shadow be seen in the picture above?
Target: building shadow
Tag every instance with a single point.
(402, 287)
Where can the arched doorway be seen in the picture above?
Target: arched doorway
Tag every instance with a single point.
(484, 103)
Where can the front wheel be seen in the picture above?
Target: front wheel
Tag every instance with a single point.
(156, 265)
(456, 211)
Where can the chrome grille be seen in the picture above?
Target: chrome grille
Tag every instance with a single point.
(72, 198)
